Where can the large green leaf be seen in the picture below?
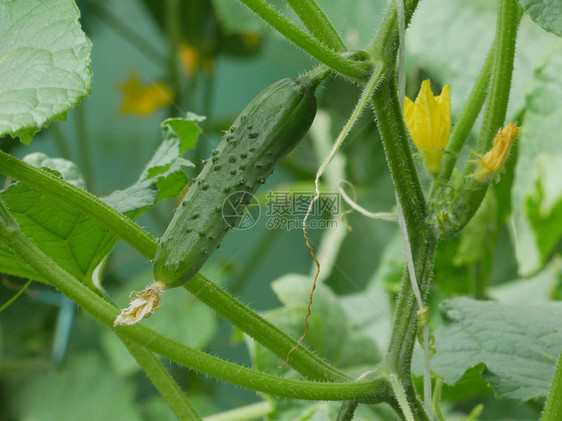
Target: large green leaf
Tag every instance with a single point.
(44, 63)
(547, 13)
(332, 335)
(75, 241)
(84, 388)
(537, 191)
(518, 344)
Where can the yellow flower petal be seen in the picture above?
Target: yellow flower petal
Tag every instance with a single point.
(493, 160)
(429, 122)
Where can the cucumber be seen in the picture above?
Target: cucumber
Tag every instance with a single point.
(267, 129)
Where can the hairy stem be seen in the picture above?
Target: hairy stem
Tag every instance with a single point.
(102, 213)
(466, 120)
(318, 24)
(312, 46)
(401, 397)
(422, 237)
(553, 406)
(472, 192)
(304, 361)
(222, 302)
(162, 380)
(169, 348)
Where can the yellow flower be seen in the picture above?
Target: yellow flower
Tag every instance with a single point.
(143, 99)
(429, 123)
(493, 160)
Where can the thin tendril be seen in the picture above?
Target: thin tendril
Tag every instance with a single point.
(359, 108)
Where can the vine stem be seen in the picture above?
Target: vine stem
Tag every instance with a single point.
(472, 192)
(401, 397)
(466, 121)
(300, 38)
(169, 348)
(215, 297)
(553, 406)
(419, 300)
(359, 108)
(318, 24)
(162, 380)
(255, 326)
(405, 237)
(423, 240)
(102, 213)
(15, 296)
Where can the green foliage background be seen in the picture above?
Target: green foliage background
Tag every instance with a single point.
(512, 246)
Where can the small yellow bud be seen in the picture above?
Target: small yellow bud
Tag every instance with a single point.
(493, 160)
(429, 123)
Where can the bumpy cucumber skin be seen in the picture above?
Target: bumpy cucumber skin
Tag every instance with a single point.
(269, 127)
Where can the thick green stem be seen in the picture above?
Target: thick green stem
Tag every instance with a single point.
(312, 46)
(399, 157)
(384, 44)
(162, 380)
(169, 348)
(317, 23)
(472, 192)
(104, 214)
(422, 237)
(222, 302)
(401, 397)
(302, 360)
(553, 406)
(347, 410)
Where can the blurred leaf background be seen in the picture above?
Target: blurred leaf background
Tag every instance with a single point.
(152, 60)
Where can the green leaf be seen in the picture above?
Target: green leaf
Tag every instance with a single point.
(87, 385)
(370, 310)
(518, 344)
(331, 333)
(547, 13)
(75, 241)
(44, 63)
(537, 191)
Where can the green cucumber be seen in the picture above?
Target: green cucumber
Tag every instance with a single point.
(269, 127)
